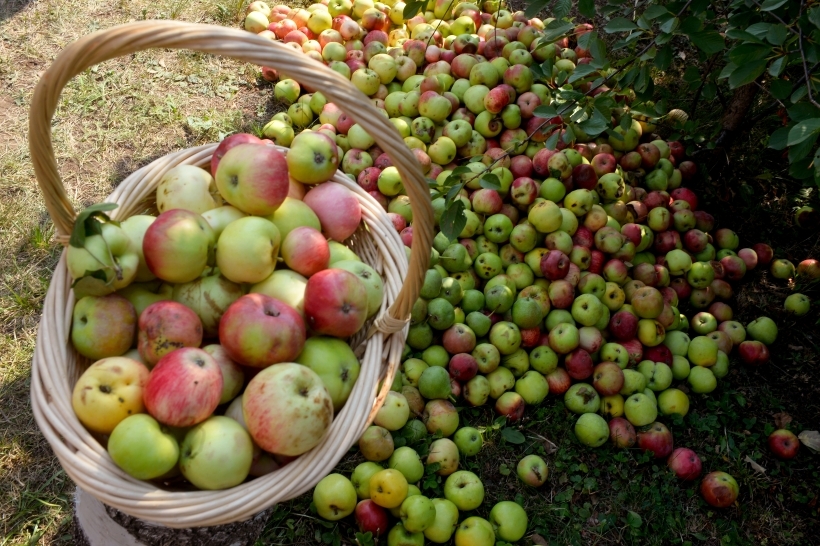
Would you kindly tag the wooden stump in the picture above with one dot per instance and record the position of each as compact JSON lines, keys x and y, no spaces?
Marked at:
{"x":96,"y":524}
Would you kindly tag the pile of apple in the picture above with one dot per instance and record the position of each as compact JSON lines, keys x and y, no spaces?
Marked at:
{"x":218,"y":328}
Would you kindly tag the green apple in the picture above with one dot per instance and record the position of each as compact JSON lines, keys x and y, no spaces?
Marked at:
{"x":143,"y":448}
{"x":634,"y":381}
{"x":407,"y":461}
{"x":702,"y":351}
{"x":702,"y":380}
{"x":532,"y":470}
{"x":464,"y":489}
{"x":360,"y":478}
{"x":582,"y":398}
{"x":376,"y":443}
{"x":399,"y":536}
{"x":468,"y":440}
{"x":372,"y":281}
{"x":658,"y":375}
{"x":640,"y":410}
{"x":677,"y":342}
{"x":334,"y":497}
{"x":417,"y":513}
{"x":217,"y":454}
{"x":395,"y":411}
{"x":443,"y":527}
{"x":721,"y":367}
{"x":762,"y":329}
{"x":680,"y":367}
{"x":673,"y":401}
{"x":106,"y":262}
{"x":103,"y":326}
{"x":286,"y":286}
{"x":592,"y":430}
{"x":434,"y":383}
{"x":335,"y":363}
{"x":339,"y":252}
{"x":291,"y":214}
{"x":532,"y":386}
{"x":509,"y":520}
{"x":475,"y":531}
{"x":247,"y":249}
{"x":135,"y":227}
{"x":141,"y":295}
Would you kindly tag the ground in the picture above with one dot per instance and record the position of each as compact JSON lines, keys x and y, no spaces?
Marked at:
{"x":127,"y":112}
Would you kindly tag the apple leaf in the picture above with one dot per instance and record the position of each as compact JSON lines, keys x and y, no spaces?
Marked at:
{"x":453,"y":220}
{"x":412,"y":9}
{"x":619,"y":24}
{"x":810,"y":439}
{"x":88,"y":222}
{"x":513,"y":436}
{"x":747,"y":73}
{"x":534,"y":7}
{"x":771,"y":5}
{"x":545,"y":111}
{"x":779,"y":139}
{"x":708,"y":41}
{"x":365,"y":539}
{"x":814,"y":15}
{"x":561,"y":8}
{"x":803,"y":131}
{"x":587,"y":8}
{"x":490,"y":181}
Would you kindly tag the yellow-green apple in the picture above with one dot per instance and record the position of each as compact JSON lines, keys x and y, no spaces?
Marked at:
{"x":103,"y":326}
{"x":135,"y":227}
{"x":257,"y":330}
{"x":647,"y":302}
{"x":407,"y":461}
{"x":417,"y":513}
{"x":621,"y":433}
{"x":702,"y":380}
{"x":582,"y":398}
{"x":651,"y":333}
{"x":220,"y":217}
{"x":614,"y":352}
{"x":187,"y":187}
{"x":178,"y":246}
{"x":184,"y":387}
{"x":388,"y":488}
{"x":335,"y":363}
{"x":293,"y":213}
{"x":702,"y":351}
{"x":592,"y":430}
{"x":797,"y":304}
{"x":634,"y":381}
{"x":719,"y":489}
{"x":209,"y":297}
{"x":286,"y":286}
{"x":104,"y":263}
{"x":656,"y":439}
{"x":445,"y":522}
{"x":394,"y":413}
{"x":444,"y":452}
{"x":532,"y":470}
{"x":762,"y":329}
{"x":658,"y":375}
{"x":232,"y":377}
{"x":373,"y":283}
{"x":612,"y":406}
{"x":335,"y":302}
{"x":287,"y":409}
{"x":165,"y":326}
{"x":399,"y":536}
{"x":313,"y":157}
{"x":216,"y":454}
{"x":468,"y":440}
{"x":533,"y":387}
{"x":334,"y":497}
{"x":108,"y":391}
{"x":337,"y":208}
{"x":685,"y":463}
{"x":809,"y":268}
{"x":509,"y":520}
{"x":511,"y":405}
{"x":231,"y":142}
{"x":143,"y":448}
{"x":784,"y":444}
{"x":640,"y":410}
{"x":464,"y":489}
{"x":680,"y":367}
{"x":253,"y":178}
{"x":360,"y":478}
{"x":673,"y":401}
{"x":247,"y":249}
{"x":475,"y":531}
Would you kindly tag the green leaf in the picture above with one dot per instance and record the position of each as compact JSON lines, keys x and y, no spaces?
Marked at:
{"x":513,"y":436}
{"x":561,"y":8}
{"x":777,"y":34}
{"x":780,"y":89}
{"x":708,"y":41}
{"x":545,"y":111}
{"x":453,"y":220}
{"x":626,"y":122}
{"x":759,"y":30}
{"x":619,"y":24}
{"x":801,"y":151}
{"x":777,"y":67}
{"x":779,"y":139}
{"x":814,"y":16}
{"x":412,"y":9}
{"x":595,"y":125}
{"x":770,"y":5}
{"x":587,"y":8}
{"x":533,"y":7}
{"x":551,"y":35}
{"x":746,"y":53}
{"x":490,"y":181}
{"x":88,"y":221}
{"x":581,"y":71}
{"x":691,"y":24}
{"x":670,"y":25}
{"x":746,"y":73}
{"x":727,"y":71}
{"x":552,"y":141}
{"x":663,"y":59}
{"x":633,"y":519}
{"x":568,"y":136}
{"x":653,"y":12}
{"x":803,"y":130}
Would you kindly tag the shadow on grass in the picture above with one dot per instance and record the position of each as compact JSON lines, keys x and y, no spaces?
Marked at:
{"x":9,"y":8}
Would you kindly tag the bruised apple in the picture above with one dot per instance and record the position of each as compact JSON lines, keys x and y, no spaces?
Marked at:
{"x":109,"y":391}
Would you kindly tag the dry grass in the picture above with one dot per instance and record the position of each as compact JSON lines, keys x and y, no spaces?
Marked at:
{"x":112,"y":120}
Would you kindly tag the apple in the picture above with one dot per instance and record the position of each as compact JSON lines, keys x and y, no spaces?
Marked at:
{"x":394,"y":413}
{"x":360,"y":478}
{"x":108,"y":392}
{"x":388,"y":488}
{"x":292,"y":213}
{"x":335,"y":363}
{"x":509,"y":521}
{"x":178,"y":246}
{"x":334,"y":497}
{"x":103,"y":326}
{"x":797,"y":304}
{"x":468,"y":440}
{"x":305,"y":250}
{"x":719,"y":489}
{"x":440,"y":416}
{"x":230,"y":142}
{"x":142,"y":447}
{"x":762,"y":329}
{"x":702,"y":380}
{"x":216,"y":454}
{"x":475,"y":531}
{"x":640,"y":410}
{"x":532,"y":470}
{"x":532,"y":387}
{"x":258,"y":331}
{"x":135,"y":227}
{"x":371,"y":518}
{"x":444,"y":452}
{"x":592,"y":430}
{"x":187,"y":187}
{"x":582,"y":398}
{"x":784,"y":444}
{"x":209,"y":296}
{"x":417,"y":513}
{"x":464,"y":489}
{"x":782,"y":269}
{"x":233,"y":379}
{"x":253,"y":177}
{"x":559,"y":381}
{"x":809,"y":268}
{"x":108,"y":254}
{"x":685,"y":463}
{"x":313,"y":157}
{"x":165,"y":326}
{"x":335,"y":303}
{"x":656,"y":439}
{"x":621,"y":433}
{"x":608,"y":378}
{"x":337,"y":208}
{"x":753,"y":353}
{"x":287,"y":409}
{"x":247,"y":249}
{"x":445,"y":522}
{"x":673,"y":401}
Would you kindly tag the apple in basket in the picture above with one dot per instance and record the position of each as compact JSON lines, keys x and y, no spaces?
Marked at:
{"x":335,"y":303}
{"x":253,"y":178}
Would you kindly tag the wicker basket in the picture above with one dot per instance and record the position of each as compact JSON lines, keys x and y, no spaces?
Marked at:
{"x":56,"y":365}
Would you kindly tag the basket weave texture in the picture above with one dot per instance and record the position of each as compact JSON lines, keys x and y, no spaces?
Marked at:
{"x":56,"y":365}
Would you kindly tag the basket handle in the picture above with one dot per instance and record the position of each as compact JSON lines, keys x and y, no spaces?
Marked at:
{"x":245,"y":46}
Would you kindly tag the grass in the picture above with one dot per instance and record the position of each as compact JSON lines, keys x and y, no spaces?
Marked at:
{"x":126,"y":112}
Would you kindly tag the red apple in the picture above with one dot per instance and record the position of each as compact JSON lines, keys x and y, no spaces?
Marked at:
{"x":371,"y":518}
{"x":608,"y":378}
{"x":621,"y":433}
{"x":657,"y":439}
{"x":784,"y":444}
{"x":165,"y":326}
{"x":685,"y":463}
{"x":623,"y":325}
{"x":462,"y":367}
{"x":764,"y":252}
{"x":719,"y":489}
{"x":659,"y":353}
{"x":338,"y":209}
{"x":579,"y":364}
{"x":231,"y":141}
{"x":559,"y":381}
{"x":184,"y":388}
{"x":335,"y":303}
{"x":753,"y":353}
